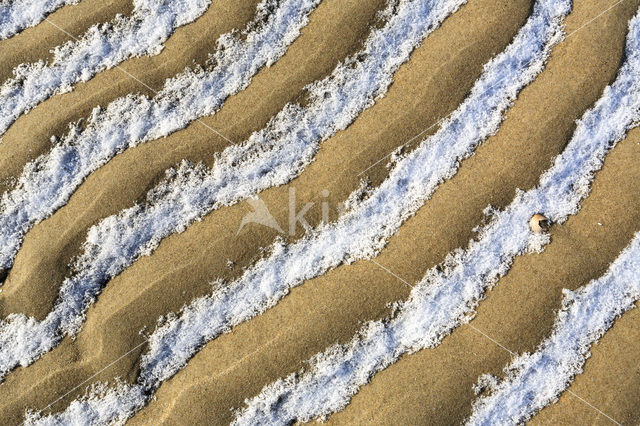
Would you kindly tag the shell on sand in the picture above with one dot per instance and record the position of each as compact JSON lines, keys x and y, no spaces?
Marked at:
{"x":539,"y":223}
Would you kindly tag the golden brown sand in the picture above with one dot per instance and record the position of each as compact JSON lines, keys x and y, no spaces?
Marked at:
{"x":429,"y":387}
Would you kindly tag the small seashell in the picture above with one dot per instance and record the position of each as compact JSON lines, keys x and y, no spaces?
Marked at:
{"x":539,"y":223}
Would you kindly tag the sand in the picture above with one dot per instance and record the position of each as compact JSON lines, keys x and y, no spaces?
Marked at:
{"x":432,"y":386}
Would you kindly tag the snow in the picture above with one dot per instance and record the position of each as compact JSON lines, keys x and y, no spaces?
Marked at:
{"x":536,"y":380}
{"x":262,"y":285}
{"x":102,"y":46}
{"x":363,"y":231}
{"x":241,"y":170}
{"x":16,"y":15}
{"x":445,"y":298}
{"x":190,"y":192}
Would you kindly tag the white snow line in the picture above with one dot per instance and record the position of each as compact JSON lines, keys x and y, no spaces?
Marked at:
{"x":390,"y":272}
{"x":440,"y":121}
{"x":47,"y":183}
{"x":533,"y":381}
{"x":15,"y":15}
{"x":523,"y":60}
{"x":595,"y":17}
{"x":483,"y":381}
{"x":102,"y":406}
{"x":587,"y":403}
{"x":447,"y":297}
{"x":146,"y":86}
{"x":102,"y":46}
{"x":96,"y":374}
{"x":491,"y":339}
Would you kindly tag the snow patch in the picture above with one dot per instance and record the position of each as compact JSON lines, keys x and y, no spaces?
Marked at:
{"x":363,"y":231}
{"x":536,"y":380}
{"x":266,"y":159}
{"x":16,"y":15}
{"x":103,"y":46}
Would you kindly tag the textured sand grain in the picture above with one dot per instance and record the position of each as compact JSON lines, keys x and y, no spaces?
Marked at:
{"x":429,"y":387}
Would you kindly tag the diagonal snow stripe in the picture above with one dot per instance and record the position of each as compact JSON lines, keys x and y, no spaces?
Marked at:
{"x":266,"y":159}
{"x":102,"y":46}
{"x":16,"y":15}
{"x":103,"y":407}
{"x":47,"y":183}
{"x":447,"y":297}
{"x":536,"y":380}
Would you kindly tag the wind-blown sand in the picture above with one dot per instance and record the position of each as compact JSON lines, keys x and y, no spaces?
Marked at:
{"x":431,"y":386}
